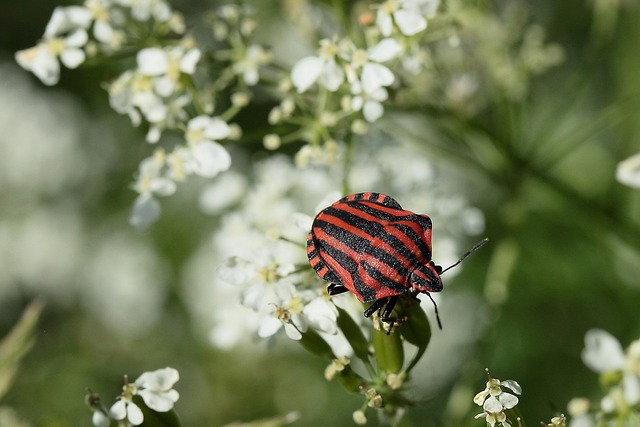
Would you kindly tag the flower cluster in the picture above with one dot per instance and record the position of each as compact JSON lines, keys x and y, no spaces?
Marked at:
{"x":162,"y":91}
{"x":619,"y":374}
{"x":344,"y":86}
{"x":97,"y":27}
{"x":155,"y":389}
{"x":495,"y":401}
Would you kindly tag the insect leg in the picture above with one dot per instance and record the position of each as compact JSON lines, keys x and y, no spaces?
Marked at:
{"x":334,"y":289}
{"x":377,"y":305}
{"x":386,"y":313}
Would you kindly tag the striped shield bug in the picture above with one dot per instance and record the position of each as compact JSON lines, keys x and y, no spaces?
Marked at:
{"x":367,"y":244}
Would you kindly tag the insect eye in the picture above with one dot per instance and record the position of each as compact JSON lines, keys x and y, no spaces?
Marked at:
{"x":437,"y":268}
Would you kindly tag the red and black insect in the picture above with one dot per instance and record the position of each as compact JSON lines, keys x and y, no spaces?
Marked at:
{"x":367,"y":244}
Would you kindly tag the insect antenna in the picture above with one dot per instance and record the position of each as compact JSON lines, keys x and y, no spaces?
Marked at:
{"x":473,"y":249}
{"x":435,"y":306}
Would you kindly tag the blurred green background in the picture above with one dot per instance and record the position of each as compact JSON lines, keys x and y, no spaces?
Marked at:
{"x":564,"y":254}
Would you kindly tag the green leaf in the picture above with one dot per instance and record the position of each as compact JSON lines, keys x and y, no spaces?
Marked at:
{"x":17,"y":343}
{"x":316,"y":344}
{"x":415,"y":329}
{"x":389,"y":352}
{"x":354,"y":335}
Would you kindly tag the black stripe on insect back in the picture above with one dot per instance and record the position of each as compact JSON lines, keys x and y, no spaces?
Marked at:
{"x":415,"y":237}
{"x":374,"y":211}
{"x":375,"y":229}
{"x":351,"y":266}
{"x":381,"y":278}
{"x":362,"y":245}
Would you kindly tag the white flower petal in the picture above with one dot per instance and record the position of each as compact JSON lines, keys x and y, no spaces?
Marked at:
{"x":513,"y":385}
{"x":302,"y":221}
{"x":292,"y":332}
{"x":492,"y":405}
{"x":384,"y":22}
{"x":162,"y":186}
{"x":164,"y":86}
{"x":118,"y":410}
{"x":372,"y":111}
{"x":65,"y":19}
{"x":251,"y":77}
{"x":77,"y":39}
{"x":236,"y":271}
{"x":375,"y":76}
{"x":321,"y":315}
{"x":631,"y":389}
{"x":254,"y":296}
{"x":134,"y":414}
{"x":146,"y":210}
{"x":385,"y":50}
{"x":269,"y":326}
{"x":103,"y":32}
{"x":72,"y":58}
{"x":306,"y":72}
{"x":480,"y":397}
{"x":217,"y":129}
{"x":210,"y":159}
{"x":98,"y":419}
{"x":161,"y":402}
{"x":602,"y":352}
{"x":160,"y":379}
{"x":152,"y":61}
{"x":153,"y":134}
{"x":190,"y":60}
{"x":410,"y":22}
{"x":508,"y":400}
{"x":628,"y":171}
{"x":332,"y":75}
{"x":199,"y":122}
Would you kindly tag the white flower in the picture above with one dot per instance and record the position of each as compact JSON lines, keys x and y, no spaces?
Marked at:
{"x":166,"y":66}
{"x":150,"y":182}
{"x":323,"y":68}
{"x":42,"y":59}
{"x":409,"y":15}
{"x":150,"y":176}
{"x":495,"y":401}
{"x":369,"y":103}
{"x":104,"y":20}
{"x":603,"y":353}
{"x":156,"y":388}
{"x":628,"y":171}
{"x":207,"y":157}
{"x":63,"y":38}
{"x":205,"y":128}
{"x":247,"y":67}
{"x":365,"y":66}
